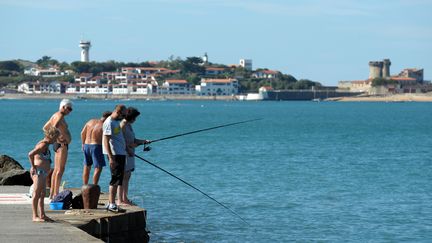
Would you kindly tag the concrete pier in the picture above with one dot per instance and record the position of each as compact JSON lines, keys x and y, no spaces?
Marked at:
{"x":79,"y":225}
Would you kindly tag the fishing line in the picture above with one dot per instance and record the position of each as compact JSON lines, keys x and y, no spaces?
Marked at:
{"x":201,"y":130}
{"x":187,"y":183}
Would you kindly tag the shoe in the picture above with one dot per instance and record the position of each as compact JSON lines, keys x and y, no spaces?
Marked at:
{"x":115,"y":209}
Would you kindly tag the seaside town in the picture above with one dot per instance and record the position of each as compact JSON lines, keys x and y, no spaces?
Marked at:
{"x":194,"y":78}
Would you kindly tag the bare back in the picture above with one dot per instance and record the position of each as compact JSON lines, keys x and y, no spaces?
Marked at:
{"x":93,"y":132}
{"x":57,"y":120}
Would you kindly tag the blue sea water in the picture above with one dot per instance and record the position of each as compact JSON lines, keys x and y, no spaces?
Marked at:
{"x":328,"y":171}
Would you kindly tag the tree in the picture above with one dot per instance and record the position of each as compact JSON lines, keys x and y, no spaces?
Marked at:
{"x":10,"y":66}
{"x":304,"y":84}
{"x":192,"y":65}
{"x":382,"y":81}
{"x":81,"y":67}
{"x":46,"y":61}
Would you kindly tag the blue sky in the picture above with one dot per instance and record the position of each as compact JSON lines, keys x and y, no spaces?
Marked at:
{"x":325,"y":41}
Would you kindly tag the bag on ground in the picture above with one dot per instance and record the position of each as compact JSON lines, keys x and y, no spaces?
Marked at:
{"x":65,"y":197}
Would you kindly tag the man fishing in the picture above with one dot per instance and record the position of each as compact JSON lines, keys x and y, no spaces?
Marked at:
{"x":114,"y":146}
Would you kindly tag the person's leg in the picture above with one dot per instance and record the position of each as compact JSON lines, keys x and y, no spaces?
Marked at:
{"x":120,"y":195}
{"x":125,"y":188}
{"x":117,"y":172}
{"x":48,"y":180}
{"x":96,"y":174}
{"x":112,"y":194}
{"x":115,"y":181}
{"x":88,"y":161}
{"x":42,"y":196}
{"x":86,"y":174}
{"x":99,"y":162}
{"x":61,"y":154}
{"x":35,"y":198}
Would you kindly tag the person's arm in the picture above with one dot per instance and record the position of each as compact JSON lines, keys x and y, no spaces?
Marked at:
{"x":108,"y":149}
{"x":37,"y":149}
{"x":139,"y":142}
{"x":47,"y":124}
{"x":83,"y":135}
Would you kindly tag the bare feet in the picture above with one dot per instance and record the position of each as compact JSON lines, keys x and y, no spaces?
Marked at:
{"x":37,"y":219}
{"x":125,"y":203}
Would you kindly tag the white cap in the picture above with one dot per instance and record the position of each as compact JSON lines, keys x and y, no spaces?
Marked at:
{"x":65,"y":102}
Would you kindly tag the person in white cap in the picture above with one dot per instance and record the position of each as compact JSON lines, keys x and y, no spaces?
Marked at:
{"x":61,"y":146}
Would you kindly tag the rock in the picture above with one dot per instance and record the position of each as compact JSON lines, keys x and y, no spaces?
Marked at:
{"x":16,"y":177}
{"x":12,"y":173}
{"x":7,"y":163}
{"x":90,"y":195}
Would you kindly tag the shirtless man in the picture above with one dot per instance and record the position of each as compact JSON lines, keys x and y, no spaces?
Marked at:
{"x":91,"y":138}
{"x":61,"y":145}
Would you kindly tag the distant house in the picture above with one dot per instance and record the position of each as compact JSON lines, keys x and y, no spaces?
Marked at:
{"x":268,"y":74}
{"x":110,"y":76}
{"x":246,"y":64}
{"x":415,"y":73}
{"x":217,"y":87}
{"x":72,"y":88}
{"x":51,"y":72}
{"x":214,"y":71}
{"x":38,"y":87}
{"x":83,"y":78}
{"x":143,"y":87}
{"x":121,"y":88}
{"x":175,"y":87}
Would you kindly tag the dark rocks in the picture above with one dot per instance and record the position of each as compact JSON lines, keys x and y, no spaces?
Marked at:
{"x":16,"y":177}
{"x":90,"y":195}
{"x":7,"y":163}
{"x":12,"y":173}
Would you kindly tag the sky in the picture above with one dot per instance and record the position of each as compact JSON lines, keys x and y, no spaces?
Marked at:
{"x":325,"y":41}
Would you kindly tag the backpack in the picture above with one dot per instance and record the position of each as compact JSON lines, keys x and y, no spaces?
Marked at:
{"x":65,"y":197}
{"x":77,"y":202}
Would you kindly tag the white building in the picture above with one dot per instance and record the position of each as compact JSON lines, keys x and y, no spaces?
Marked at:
{"x":217,"y":87}
{"x":246,"y":64}
{"x":37,"y":87}
{"x":267,"y":74}
{"x":143,"y":87}
{"x":51,"y":72}
{"x":175,"y":87}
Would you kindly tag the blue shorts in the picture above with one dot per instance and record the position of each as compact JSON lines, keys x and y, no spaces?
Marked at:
{"x":93,"y":155}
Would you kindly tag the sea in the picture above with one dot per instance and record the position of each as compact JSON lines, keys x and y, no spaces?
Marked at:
{"x":305,"y":171}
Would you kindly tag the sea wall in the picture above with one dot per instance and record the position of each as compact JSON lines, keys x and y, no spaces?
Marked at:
{"x":307,"y":94}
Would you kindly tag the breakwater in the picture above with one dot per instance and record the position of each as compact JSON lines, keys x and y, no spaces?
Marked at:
{"x":307,"y":94}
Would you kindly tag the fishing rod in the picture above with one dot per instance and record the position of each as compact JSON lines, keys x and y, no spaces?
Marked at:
{"x":187,"y":183}
{"x":146,"y":148}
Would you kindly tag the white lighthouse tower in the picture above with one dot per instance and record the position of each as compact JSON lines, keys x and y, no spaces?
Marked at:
{"x":85,"y":47}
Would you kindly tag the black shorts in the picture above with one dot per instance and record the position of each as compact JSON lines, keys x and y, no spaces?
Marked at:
{"x":56,"y":146}
{"x":117,"y":172}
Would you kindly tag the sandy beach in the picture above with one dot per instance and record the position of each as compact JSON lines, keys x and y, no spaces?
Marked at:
{"x":427,"y":97}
